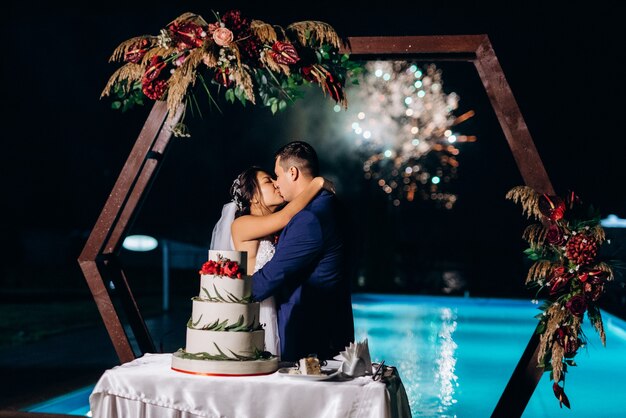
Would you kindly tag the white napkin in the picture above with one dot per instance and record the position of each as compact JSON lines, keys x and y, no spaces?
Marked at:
{"x":356,"y":359}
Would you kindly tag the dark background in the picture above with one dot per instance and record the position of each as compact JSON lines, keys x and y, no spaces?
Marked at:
{"x":63,"y":147}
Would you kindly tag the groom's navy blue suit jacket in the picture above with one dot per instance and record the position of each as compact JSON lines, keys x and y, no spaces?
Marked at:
{"x":305,"y":277}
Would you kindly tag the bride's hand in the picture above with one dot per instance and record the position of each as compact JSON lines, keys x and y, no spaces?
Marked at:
{"x":328,"y":185}
{"x":324,"y":183}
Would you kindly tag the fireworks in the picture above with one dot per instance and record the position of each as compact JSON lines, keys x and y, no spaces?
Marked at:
{"x":403,"y":120}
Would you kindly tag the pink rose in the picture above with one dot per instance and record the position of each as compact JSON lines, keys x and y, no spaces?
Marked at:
{"x":222,"y":36}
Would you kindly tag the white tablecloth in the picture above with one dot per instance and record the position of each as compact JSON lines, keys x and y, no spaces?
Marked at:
{"x":147,"y":387}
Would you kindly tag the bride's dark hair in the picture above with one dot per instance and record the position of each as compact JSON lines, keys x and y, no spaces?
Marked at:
{"x":244,"y":188}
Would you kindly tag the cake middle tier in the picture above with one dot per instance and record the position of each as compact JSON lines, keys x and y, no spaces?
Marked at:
{"x":225,"y":289}
{"x":224,"y":342}
{"x":220,"y":315}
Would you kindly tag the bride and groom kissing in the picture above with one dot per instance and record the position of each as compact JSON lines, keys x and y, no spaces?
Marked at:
{"x":305,"y":299}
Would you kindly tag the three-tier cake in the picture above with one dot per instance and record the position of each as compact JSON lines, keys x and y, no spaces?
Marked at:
{"x":224,"y":336}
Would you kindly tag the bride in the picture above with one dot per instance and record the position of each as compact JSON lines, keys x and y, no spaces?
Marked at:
{"x":252,"y":221}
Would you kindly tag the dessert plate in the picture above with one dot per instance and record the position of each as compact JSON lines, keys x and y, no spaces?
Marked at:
{"x":327,"y":373}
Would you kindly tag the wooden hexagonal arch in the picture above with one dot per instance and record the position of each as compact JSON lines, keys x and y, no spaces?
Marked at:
{"x":98,"y":259}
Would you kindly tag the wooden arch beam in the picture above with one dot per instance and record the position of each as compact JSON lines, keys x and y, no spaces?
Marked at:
{"x":98,"y":259}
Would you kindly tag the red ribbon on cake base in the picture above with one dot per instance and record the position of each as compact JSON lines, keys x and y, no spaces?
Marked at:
{"x":220,"y":374}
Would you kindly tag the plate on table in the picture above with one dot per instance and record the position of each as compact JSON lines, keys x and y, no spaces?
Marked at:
{"x":327,"y":373}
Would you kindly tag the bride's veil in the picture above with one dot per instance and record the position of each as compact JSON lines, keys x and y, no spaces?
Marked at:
{"x":221,"y":239}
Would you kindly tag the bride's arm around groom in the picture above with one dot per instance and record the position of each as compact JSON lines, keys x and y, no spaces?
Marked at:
{"x":305,"y":274}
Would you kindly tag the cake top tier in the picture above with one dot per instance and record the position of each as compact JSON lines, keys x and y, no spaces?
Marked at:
{"x":239,"y":257}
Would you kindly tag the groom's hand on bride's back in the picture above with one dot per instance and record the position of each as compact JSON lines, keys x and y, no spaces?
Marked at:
{"x":329,"y":185}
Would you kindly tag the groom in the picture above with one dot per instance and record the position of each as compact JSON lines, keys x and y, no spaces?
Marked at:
{"x":312,"y":296}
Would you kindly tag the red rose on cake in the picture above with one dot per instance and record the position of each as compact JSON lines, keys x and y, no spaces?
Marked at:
{"x":222,"y":267}
{"x":210,"y":267}
{"x":231,"y":269}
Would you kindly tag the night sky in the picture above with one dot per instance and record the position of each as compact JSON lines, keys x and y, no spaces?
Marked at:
{"x":64,"y":147}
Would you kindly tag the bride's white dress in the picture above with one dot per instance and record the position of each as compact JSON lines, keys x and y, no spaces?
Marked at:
{"x":267,"y":314}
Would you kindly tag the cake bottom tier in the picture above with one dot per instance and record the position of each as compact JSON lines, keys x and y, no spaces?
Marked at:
{"x":224,"y":368}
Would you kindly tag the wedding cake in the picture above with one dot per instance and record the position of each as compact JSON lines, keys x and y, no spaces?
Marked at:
{"x":224,"y":336}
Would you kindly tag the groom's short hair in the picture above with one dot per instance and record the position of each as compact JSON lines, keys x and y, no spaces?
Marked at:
{"x":301,"y":155}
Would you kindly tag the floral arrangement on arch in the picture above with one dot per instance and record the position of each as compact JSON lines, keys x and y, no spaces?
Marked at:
{"x":564,"y":247}
{"x":246,"y":59}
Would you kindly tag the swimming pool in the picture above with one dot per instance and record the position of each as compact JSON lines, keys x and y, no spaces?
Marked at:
{"x":456,"y":355}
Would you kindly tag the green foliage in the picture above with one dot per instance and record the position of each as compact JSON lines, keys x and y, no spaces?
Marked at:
{"x":218,"y":325}
{"x":126,"y":98}
{"x":228,"y":298}
{"x":257,"y":355}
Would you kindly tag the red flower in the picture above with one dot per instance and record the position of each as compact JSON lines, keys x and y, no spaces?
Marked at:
{"x":593,"y":274}
{"x":571,"y":200}
{"x":154,"y":69}
{"x":136,"y":52}
{"x":222,"y":77}
{"x":320,"y":75}
{"x":222,"y":267}
{"x":248,"y":43}
{"x":560,"y":395}
{"x":307,"y":73}
{"x":236,"y":22}
{"x":554,"y":235}
{"x":593,"y":286}
{"x":559,"y":277}
{"x":577,"y":305}
{"x":565,"y":340}
{"x":552,"y":207}
{"x":231,"y":269}
{"x":334,"y":88}
{"x":154,"y":89}
{"x":284,"y":53}
{"x":187,"y":35}
{"x":210,"y":267}
{"x":153,"y":83}
{"x":581,"y":249}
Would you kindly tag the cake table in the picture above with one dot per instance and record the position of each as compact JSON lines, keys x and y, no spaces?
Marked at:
{"x":148,"y":387}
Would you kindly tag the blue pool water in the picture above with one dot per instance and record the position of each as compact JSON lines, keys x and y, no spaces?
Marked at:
{"x":456,"y":355}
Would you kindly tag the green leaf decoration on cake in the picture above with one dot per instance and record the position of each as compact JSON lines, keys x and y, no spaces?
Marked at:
{"x":239,"y":326}
{"x":194,"y":324}
{"x":239,"y":357}
{"x":232,"y":297}
{"x":216,"y":326}
{"x":218,"y":294}
{"x":218,"y":298}
{"x":218,"y":349}
{"x":257,"y":355}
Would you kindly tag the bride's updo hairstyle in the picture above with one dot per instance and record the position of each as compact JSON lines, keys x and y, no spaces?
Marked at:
{"x":244,"y":189}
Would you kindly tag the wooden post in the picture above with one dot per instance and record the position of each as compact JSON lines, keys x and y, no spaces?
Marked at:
{"x":98,"y":259}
